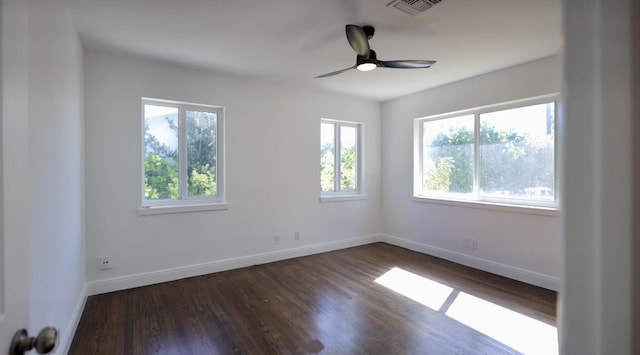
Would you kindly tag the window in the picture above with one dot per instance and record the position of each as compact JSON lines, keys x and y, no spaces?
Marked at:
{"x":340,"y":158}
{"x":502,"y":154}
{"x":182,"y":154}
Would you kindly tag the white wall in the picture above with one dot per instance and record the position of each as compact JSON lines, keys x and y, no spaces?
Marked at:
{"x":272,"y":174}
{"x":56,"y":170}
{"x":15,"y":253}
{"x":597,"y":298}
{"x":517,"y":245}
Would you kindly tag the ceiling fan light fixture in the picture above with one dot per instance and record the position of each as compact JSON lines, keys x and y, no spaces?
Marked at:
{"x":366,"y":66}
{"x":367,"y":63}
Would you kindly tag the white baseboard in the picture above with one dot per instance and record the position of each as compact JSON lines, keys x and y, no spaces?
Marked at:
{"x":154,"y":277}
{"x":66,"y":334}
{"x":512,"y":272}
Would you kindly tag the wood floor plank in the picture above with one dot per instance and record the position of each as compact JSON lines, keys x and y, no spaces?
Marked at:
{"x":326,"y":303}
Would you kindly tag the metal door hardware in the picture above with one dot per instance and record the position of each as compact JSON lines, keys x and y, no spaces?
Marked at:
{"x":43,"y":343}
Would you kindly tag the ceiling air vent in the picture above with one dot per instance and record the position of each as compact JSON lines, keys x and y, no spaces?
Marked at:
{"x":413,"y":7}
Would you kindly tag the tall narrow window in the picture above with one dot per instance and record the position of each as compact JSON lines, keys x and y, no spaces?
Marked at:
{"x":182,"y":160}
{"x":502,"y":153}
{"x":340,"y":158}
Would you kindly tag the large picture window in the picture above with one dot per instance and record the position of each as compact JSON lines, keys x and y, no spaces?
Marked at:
{"x":182,"y":153}
{"x":503,"y":153}
{"x":340,"y":158}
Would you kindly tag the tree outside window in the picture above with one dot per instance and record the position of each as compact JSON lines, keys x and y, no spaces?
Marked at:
{"x":510,"y":158}
{"x":339,"y":157}
{"x":181,"y":153}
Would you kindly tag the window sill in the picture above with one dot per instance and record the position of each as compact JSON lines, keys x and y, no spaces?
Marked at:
{"x":151,"y":210}
{"x":339,"y":198}
{"x":503,"y":207}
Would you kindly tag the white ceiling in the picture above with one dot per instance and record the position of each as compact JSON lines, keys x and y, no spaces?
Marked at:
{"x":291,"y":41}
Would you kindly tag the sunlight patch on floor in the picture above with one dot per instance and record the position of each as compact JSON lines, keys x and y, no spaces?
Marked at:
{"x":522,"y":333}
{"x":420,"y":289}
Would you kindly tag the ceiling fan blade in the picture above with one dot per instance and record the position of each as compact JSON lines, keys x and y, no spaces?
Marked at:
{"x":406,"y":64}
{"x":358,"y":40}
{"x":334,"y":72}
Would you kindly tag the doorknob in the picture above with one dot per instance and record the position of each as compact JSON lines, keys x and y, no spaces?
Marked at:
{"x":43,"y":343}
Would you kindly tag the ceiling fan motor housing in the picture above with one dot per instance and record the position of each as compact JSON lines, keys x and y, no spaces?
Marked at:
{"x":369,"y":31}
{"x":371,"y":58}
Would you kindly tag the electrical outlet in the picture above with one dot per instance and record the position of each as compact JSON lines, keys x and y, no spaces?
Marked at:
{"x":276,"y":239}
{"x":105,"y":262}
{"x":470,"y":243}
{"x":296,"y":236}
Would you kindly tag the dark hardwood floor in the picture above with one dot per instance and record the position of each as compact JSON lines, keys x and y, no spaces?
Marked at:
{"x":326,"y":303}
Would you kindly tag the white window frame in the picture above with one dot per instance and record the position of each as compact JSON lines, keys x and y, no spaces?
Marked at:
{"x":350,"y":194}
{"x":186,"y":203}
{"x":474,"y":199}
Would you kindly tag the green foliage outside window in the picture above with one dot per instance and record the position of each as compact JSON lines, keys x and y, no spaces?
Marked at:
{"x":327,"y":168}
{"x":201,"y":153}
{"x":348,"y":168}
{"x":161,"y":162}
{"x":161,"y":178}
{"x":202,"y":183}
{"x":510,"y":163}
{"x":453,"y":154}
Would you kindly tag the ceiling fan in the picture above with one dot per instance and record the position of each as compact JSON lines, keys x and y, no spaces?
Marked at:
{"x":366,"y":58}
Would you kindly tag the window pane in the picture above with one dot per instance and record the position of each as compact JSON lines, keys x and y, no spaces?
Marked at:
{"x":160,"y":152}
{"x":327,"y":157}
{"x":447,"y":158}
{"x":348,"y":168}
{"x":517,"y":153}
{"x":201,"y":153}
